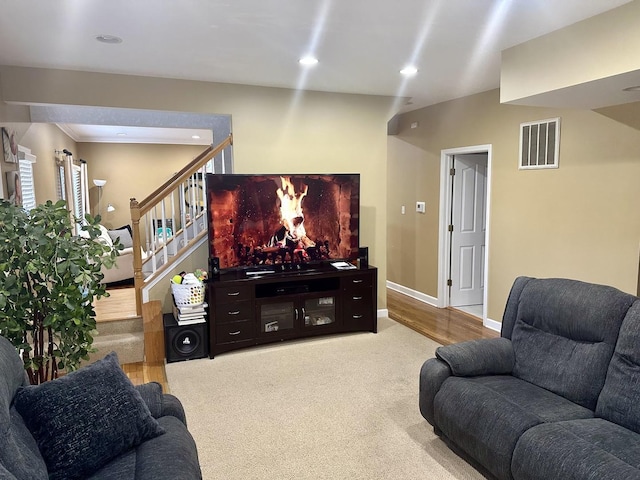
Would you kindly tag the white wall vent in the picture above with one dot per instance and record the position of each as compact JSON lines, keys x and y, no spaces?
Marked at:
{"x":539,"y":144}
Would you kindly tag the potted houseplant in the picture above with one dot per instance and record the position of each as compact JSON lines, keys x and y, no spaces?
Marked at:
{"x":49,"y":277}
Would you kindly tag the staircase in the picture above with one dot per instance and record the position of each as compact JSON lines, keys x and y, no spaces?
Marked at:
{"x":171,"y":219}
{"x":119,"y":328}
{"x":166,"y":226}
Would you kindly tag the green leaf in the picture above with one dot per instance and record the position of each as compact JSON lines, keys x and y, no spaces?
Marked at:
{"x":49,"y":278}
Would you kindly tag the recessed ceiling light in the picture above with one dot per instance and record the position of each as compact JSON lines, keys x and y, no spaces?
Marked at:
{"x":635,"y":88}
{"x":408,"y":71}
{"x":308,"y":61}
{"x":110,"y":39}
{"x":195,"y":137}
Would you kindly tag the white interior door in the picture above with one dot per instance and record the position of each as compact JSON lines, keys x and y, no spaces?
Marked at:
{"x":468,"y":216}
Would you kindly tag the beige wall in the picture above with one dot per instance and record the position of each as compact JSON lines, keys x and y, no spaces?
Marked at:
{"x":579,"y":221}
{"x":602,"y":46}
{"x":275,"y":130}
{"x":412,"y":240}
{"x":43,"y":140}
{"x":131,"y":171}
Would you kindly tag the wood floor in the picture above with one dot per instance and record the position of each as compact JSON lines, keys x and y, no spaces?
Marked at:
{"x":119,"y":305}
{"x":140,"y":373}
{"x":445,"y":326}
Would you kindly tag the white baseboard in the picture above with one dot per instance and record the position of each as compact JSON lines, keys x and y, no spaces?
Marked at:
{"x":489,"y":323}
{"x":413,"y":293}
{"x":383,"y":312}
{"x":493,"y":325}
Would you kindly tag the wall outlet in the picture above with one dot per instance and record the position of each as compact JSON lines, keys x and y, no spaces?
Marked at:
{"x":402,"y":210}
{"x":421,"y":207}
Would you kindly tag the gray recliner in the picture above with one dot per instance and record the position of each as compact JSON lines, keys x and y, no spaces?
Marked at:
{"x":531,"y":404}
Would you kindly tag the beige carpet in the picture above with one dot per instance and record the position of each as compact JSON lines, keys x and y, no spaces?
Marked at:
{"x":337,"y":407}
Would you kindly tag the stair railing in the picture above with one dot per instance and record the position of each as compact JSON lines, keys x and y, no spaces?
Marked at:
{"x":170,"y":219}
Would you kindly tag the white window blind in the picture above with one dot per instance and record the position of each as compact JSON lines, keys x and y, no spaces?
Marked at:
{"x":78,"y":197}
{"x":62,"y":194}
{"x":73,"y":186}
{"x":84,"y":185}
{"x":25,"y":168}
{"x":26,"y":182}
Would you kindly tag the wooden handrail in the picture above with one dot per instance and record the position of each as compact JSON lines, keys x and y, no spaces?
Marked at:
{"x":139,"y":209}
{"x":192,"y":167}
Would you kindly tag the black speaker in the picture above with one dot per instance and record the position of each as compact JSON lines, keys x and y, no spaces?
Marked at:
{"x":184,"y":342}
{"x":214,"y":266}
{"x":363,"y":257}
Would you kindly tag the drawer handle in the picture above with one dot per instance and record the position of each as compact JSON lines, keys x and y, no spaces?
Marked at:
{"x":237,"y":312}
{"x":235,"y":333}
{"x":358,"y":281}
{"x":233,"y":294}
{"x":357,"y":298}
{"x":357,"y":316}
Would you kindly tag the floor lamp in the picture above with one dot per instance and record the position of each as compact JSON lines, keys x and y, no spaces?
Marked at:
{"x":99,"y":183}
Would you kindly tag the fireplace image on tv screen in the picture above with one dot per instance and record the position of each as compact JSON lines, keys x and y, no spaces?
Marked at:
{"x":264,"y":220}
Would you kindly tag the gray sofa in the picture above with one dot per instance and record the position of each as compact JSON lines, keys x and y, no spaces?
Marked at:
{"x":92,"y":423}
{"x":557,"y":396}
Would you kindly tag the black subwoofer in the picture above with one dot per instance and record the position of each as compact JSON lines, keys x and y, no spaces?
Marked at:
{"x":184,"y":342}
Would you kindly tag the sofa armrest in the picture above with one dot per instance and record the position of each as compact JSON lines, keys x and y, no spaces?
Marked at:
{"x":432,"y":375}
{"x":152,"y":394}
{"x":172,"y":406}
{"x":161,"y":404}
{"x":492,"y":356}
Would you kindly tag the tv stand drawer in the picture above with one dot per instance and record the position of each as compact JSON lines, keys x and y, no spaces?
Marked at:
{"x":357,"y":282}
{"x":359,"y":314}
{"x":234,"y":312}
{"x":235,"y":332}
{"x":225,"y":295}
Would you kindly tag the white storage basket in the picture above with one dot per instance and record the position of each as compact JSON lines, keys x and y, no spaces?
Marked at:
{"x":187,"y":295}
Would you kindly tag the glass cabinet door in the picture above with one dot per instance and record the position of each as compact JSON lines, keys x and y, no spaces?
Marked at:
{"x":277,"y":317}
{"x":319,"y":311}
{"x":303,"y":313}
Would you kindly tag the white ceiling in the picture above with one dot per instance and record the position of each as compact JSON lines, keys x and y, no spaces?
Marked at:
{"x":361,"y":44}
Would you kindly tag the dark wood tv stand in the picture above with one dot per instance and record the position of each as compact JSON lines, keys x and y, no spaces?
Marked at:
{"x":247,"y":310}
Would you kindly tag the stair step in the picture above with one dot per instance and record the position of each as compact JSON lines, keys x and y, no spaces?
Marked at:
{"x":122,"y":325}
{"x":118,"y":327}
{"x":128,"y":346}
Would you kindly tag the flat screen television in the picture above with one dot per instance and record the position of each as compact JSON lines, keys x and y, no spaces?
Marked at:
{"x":258,"y":221}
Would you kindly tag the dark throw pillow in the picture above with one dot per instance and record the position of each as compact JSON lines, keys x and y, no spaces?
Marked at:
{"x":86,"y":418}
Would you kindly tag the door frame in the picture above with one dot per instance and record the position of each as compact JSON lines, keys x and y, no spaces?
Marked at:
{"x":444,"y":246}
